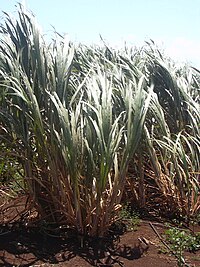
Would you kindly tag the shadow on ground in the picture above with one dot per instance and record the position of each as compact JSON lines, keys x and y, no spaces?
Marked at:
{"x":21,"y":246}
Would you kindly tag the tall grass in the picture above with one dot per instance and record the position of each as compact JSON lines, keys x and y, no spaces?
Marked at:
{"x":76,"y":129}
{"x":172,"y":135}
{"x":81,"y":117}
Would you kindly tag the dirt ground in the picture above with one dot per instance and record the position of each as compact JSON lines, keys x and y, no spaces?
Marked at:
{"x":22,"y":245}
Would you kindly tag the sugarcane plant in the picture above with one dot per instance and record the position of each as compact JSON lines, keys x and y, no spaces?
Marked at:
{"x":75,"y":124}
{"x":171,"y":136}
{"x":83,"y":122}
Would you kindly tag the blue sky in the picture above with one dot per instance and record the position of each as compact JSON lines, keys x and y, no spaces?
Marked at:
{"x":173,"y":24}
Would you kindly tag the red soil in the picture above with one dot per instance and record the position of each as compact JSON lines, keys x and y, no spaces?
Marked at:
{"x":32,"y":246}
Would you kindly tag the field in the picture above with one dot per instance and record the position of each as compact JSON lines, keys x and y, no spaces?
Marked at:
{"x":89,"y":137}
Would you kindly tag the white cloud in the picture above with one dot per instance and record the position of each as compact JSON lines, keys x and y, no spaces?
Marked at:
{"x":183,"y":49}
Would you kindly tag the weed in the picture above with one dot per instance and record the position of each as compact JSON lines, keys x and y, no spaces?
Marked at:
{"x":180,"y":240}
{"x":129,"y":217}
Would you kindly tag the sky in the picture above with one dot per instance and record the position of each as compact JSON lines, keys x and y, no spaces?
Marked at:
{"x":174,"y":25}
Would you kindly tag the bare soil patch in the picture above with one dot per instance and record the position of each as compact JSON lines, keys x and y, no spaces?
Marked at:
{"x":31,"y":245}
